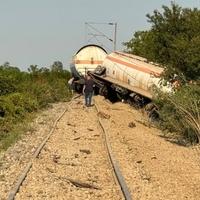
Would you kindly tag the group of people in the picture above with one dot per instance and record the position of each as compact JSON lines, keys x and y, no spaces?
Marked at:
{"x":88,"y":89}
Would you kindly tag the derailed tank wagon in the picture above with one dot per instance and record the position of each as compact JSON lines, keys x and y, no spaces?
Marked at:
{"x":131,"y":76}
{"x":86,"y":59}
{"x":126,"y":76}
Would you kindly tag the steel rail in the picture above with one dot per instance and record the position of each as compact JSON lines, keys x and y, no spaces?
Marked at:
{"x":114,"y":163}
{"x":23,"y":174}
{"x":119,"y":177}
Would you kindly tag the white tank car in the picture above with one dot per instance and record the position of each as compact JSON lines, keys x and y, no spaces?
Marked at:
{"x":133,"y":73}
{"x":87,"y":59}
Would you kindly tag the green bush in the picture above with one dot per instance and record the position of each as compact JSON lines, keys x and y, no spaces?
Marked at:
{"x":60,"y":90}
{"x":22,"y":93}
{"x":6,"y":86}
{"x":42,"y":92}
{"x":180,"y":112}
{"x":15,"y":106}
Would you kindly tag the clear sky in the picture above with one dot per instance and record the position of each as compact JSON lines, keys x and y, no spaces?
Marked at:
{"x":43,"y":31}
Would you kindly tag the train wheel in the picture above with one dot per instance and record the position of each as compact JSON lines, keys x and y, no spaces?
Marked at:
{"x":103,"y":91}
{"x":78,"y":87}
{"x":152,"y":111}
{"x":149,"y":107}
{"x":119,"y":96}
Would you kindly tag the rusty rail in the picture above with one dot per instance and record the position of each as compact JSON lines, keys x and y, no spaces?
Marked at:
{"x":23,"y":174}
{"x":120,"y":179}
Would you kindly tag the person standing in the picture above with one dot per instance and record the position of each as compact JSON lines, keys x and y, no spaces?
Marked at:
{"x":88,"y":90}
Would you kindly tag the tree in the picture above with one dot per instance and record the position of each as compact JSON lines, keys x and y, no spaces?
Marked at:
{"x":44,"y":70}
{"x":6,"y":64}
{"x":57,"y":66}
{"x":33,"y":69}
{"x":173,"y":41}
{"x":142,"y":44}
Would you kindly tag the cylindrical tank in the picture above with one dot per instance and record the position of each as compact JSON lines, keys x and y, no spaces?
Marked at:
{"x":87,"y":59}
{"x":133,"y":71}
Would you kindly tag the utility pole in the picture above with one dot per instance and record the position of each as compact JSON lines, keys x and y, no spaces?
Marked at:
{"x":115,"y":37}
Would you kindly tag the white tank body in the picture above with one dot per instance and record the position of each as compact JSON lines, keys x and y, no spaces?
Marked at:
{"x":88,"y":58}
{"x":133,"y":72}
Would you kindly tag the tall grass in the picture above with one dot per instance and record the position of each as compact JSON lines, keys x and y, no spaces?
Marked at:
{"x":180,"y":112}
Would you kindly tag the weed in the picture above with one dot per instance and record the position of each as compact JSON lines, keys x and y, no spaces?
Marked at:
{"x":180,"y":112}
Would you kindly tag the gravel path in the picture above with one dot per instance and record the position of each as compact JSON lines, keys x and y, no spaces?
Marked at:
{"x":153,"y":167}
{"x":74,"y":163}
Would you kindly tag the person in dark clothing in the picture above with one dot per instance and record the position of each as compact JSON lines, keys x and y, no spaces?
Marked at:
{"x":88,"y":89}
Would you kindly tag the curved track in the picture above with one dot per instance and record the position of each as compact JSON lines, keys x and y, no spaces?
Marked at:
{"x":114,"y":163}
{"x":116,"y":170}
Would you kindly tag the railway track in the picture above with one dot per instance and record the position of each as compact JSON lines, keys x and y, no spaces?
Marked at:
{"x":50,"y":161}
{"x":75,"y":164}
{"x":24,"y":173}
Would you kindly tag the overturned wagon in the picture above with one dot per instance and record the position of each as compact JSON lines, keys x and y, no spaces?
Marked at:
{"x":129,"y":76}
{"x":118,"y":74}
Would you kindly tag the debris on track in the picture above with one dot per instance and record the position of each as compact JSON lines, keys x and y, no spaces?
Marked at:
{"x":74,"y":163}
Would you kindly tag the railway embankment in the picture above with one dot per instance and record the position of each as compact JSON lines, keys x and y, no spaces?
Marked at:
{"x":74,"y":163}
